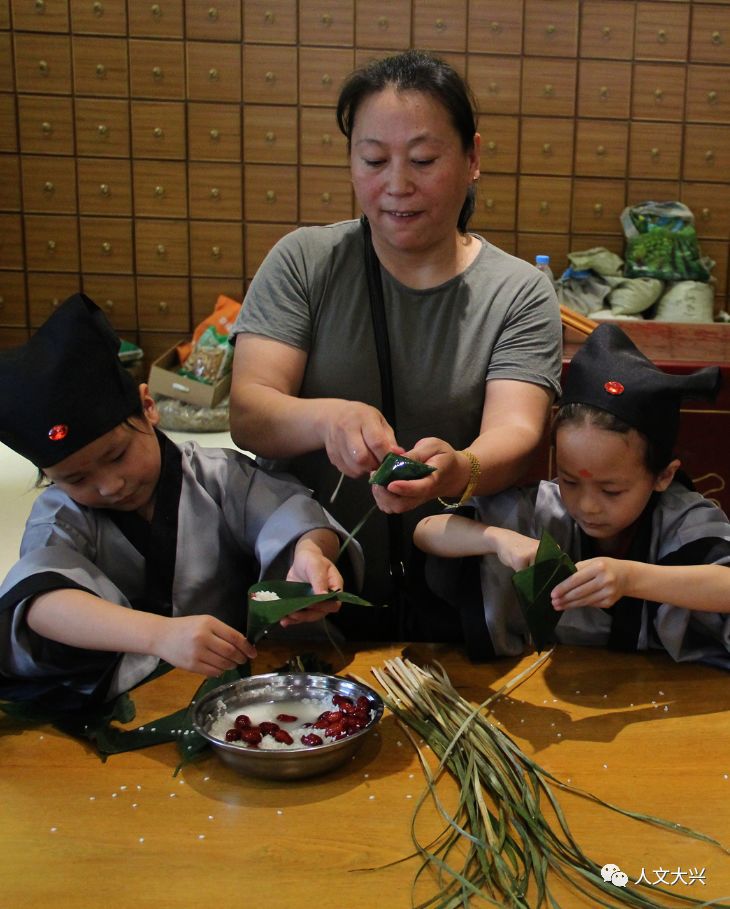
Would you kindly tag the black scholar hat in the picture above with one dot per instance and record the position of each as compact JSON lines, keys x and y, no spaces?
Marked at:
{"x":609,"y":372}
{"x":66,"y":387}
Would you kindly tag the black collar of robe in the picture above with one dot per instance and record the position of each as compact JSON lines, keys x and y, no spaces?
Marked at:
{"x":156,"y":541}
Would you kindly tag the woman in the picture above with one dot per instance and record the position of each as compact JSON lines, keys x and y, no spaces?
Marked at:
{"x":474,"y":335}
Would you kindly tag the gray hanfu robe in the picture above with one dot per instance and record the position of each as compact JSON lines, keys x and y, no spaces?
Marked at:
{"x":680,"y":527}
{"x":220,"y":524}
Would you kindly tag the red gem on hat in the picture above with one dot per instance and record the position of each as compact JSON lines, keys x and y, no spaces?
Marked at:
{"x":58,"y":432}
{"x":614,"y":388}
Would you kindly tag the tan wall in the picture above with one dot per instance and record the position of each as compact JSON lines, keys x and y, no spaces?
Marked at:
{"x":123,"y":128}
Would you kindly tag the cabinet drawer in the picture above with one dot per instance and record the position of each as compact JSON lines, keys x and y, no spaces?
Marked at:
{"x":495,"y":82}
{"x":641,"y":190}
{"x":597,"y":206}
{"x":214,"y":132}
{"x":98,"y":17}
{"x":321,"y":141}
{"x":270,"y":193}
{"x":706,"y":152}
{"x":325,"y":194}
{"x":710,"y":204}
{"x":557,"y":246}
{"x":440,"y":25}
{"x":102,"y":127}
{"x":47,"y":291}
{"x":388,"y":28}
{"x":104,"y":190}
{"x":157,"y":69}
{"x":12,"y":298}
{"x":115,"y":295}
{"x":495,"y":27}
{"x":159,"y":189}
{"x":271,"y":21}
{"x":161,"y":247}
{"x":43,"y":63}
{"x":604,"y":89}
{"x":601,"y":148}
{"x":607,"y":29}
{"x":655,"y":152}
{"x":162,"y":303}
{"x":326,"y":22}
{"x":219,"y":20}
{"x":215,"y":191}
{"x":7,"y":77}
{"x":270,"y":74}
{"x":270,"y":134}
{"x":551,"y":29}
{"x":216,"y":248}
{"x":51,"y":243}
{"x":214,"y":71}
{"x":710,"y":37}
{"x":205,"y":291}
{"x":499,"y":145}
{"x":544,"y":205}
{"x":708,"y":93}
{"x":546,"y":145}
{"x":658,"y":91}
{"x":100,"y":66}
{"x":49,"y":184}
{"x":548,"y":87}
{"x":10,"y":183}
{"x":158,"y":129}
{"x":106,"y":245}
{"x":259,"y":240}
{"x":46,"y":125}
{"x":159,"y":19}
{"x":8,"y":130}
{"x":41,"y":16}
{"x":662,"y":31}
{"x":495,"y":204}
{"x":322,"y":74}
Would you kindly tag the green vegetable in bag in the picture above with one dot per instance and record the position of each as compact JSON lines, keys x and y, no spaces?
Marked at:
{"x":399,"y":467}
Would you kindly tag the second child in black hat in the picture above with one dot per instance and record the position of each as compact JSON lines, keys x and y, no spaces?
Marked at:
{"x":652,"y":555}
{"x":139,"y":550}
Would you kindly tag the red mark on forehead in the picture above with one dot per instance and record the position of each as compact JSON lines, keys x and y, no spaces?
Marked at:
{"x":585,"y":473}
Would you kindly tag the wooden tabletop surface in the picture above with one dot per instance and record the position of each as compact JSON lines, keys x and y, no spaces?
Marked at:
{"x":636,"y":730}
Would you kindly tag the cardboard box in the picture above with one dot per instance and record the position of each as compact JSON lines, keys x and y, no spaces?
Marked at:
{"x":165,"y":380}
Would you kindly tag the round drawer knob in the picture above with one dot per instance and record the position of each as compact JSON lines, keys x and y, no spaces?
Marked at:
{"x":270,"y":195}
{"x":493,"y":87}
{"x":106,"y":247}
{"x":55,"y":302}
{"x":161,"y":249}
{"x":43,"y":67}
{"x":661,"y":36}
{"x":100,"y":70}
{"x":216,"y":252}
{"x":269,"y":17}
{"x":495,"y":26}
{"x":326,"y":79}
{"x":109,"y":305}
{"x":98,"y":8}
{"x":654,"y":153}
{"x":489,"y":203}
{"x":215,"y":193}
{"x":270,"y":77}
{"x":606,"y":31}
{"x":603,"y":92}
{"x":550,"y":30}
{"x":159,"y":191}
{"x":158,"y":132}
{"x":214,"y":134}
{"x":326,"y":139}
{"x":156,"y":10}
{"x":658,"y":93}
{"x":270,"y":136}
{"x":157,"y":73}
{"x":326,"y":19}
{"x":48,"y":187}
{"x":491,"y":145}
{"x":40,"y":6}
{"x":440,"y":25}
{"x":326,"y":197}
{"x":544,"y":206}
{"x":382,"y":22}
{"x":213,"y":74}
{"x":46,"y":128}
{"x":548,"y":90}
{"x":601,"y":151}
{"x":102,"y":129}
{"x":547,"y":148}
{"x":51,"y":245}
{"x":716,"y":38}
{"x":712,"y":96}
{"x":709,"y":155}
{"x":104,"y":189}
{"x":162,"y":306}
{"x":598,"y":208}
{"x":213,"y":14}
{"x":705,"y":214}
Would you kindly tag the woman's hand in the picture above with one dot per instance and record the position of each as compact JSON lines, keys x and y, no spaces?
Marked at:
{"x":356,"y":436}
{"x":599,"y":582}
{"x":450,"y":478}
{"x":202,"y":643}
{"x":313,"y":566}
{"x":513,"y":549}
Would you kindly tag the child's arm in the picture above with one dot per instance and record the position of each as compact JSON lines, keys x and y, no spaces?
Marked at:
{"x":314,"y":557}
{"x":603,"y":581}
{"x":452,"y":535}
{"x":199,"y":643}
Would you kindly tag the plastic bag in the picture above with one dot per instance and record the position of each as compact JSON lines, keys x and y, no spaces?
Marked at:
{"x":661,"y":242}
{"x":687,"y":301}
{"x":634,"y":295}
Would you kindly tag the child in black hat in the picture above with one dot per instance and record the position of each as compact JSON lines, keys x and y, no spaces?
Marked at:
{"x":652,"y":555}
{"x":139,"y":550}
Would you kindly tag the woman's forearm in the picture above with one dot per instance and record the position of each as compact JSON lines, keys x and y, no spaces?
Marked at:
{"x":704,"y":588}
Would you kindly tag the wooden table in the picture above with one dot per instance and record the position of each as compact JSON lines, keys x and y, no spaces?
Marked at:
{"x":637,"y":730}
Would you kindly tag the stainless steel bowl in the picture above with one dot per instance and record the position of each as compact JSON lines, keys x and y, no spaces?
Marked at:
{"x":294,"y":762}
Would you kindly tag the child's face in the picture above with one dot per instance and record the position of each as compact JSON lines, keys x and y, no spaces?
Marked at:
{"x":604,"y":481}
{"x":119,"y":470}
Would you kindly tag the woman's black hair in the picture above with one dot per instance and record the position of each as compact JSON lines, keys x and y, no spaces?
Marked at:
{"x":585,"y":414}
{"x":417,"y":71}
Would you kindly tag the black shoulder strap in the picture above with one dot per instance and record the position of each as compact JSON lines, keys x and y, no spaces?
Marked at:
{"x":380,"y":325}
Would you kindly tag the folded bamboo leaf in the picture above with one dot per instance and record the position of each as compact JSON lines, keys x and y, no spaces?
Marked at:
{"x":534,"y":585}
{"x":291,"y":596}
{"x":399,"y":467}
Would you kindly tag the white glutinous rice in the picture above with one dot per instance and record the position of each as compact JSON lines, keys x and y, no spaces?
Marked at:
{"x":265,"y":595}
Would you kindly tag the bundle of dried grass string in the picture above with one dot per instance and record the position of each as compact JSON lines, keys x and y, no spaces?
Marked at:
{"x":499,"y":847}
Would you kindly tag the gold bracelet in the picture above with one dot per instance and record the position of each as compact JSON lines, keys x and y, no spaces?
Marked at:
{"x":475,"y":472}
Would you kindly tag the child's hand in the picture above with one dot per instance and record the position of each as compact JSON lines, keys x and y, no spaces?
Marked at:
{"x":597,"y":582}
{"x":513,"y":549}
{"x":311,"y":565}
{"x":204,"y":644}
